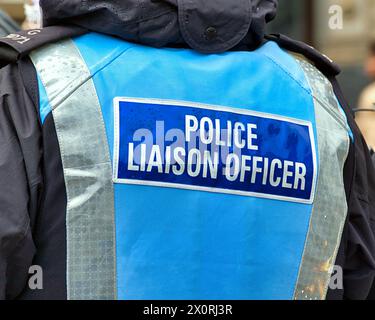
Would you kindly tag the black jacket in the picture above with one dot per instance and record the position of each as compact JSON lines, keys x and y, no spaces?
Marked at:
{"x":32,"y":189}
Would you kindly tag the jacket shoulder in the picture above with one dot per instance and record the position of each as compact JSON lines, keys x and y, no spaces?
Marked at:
{"x":17,"y":45}
{"x":323,"y":63}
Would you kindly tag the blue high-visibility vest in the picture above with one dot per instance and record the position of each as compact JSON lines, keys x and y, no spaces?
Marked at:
{"x":193,"y":176}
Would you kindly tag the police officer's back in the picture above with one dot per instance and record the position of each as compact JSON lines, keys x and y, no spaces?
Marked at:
{"x":227,"y":170}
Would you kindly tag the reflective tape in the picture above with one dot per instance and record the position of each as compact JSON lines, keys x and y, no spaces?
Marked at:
{"x":87,"y":167}
{"x":330,"y":207}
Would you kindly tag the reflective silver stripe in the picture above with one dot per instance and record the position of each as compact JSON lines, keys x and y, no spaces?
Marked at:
{"x":330,"y":207}
{"x":87,"y":167}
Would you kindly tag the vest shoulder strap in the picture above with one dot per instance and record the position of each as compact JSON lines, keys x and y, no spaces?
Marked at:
{"x":15,"y":46}
{"x":321,"y":61}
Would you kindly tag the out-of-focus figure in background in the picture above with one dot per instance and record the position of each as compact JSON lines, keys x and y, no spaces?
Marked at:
{"x":365,"y":116}
{"x":33,"y":15}
{"x":7,"y":24}
{"x":32,"y":19}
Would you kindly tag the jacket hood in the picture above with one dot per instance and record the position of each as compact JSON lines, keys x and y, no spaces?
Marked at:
{"x":205,"y":25}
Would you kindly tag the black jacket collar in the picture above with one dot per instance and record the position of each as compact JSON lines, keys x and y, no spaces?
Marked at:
{"x":207,"y":26}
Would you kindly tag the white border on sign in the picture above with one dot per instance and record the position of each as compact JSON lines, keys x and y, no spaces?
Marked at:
{"x":116,"y":148}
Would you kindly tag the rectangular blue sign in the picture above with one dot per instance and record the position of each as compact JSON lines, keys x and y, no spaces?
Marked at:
{"x":213,"y":148}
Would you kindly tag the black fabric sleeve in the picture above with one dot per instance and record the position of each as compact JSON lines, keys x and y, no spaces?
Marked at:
{"x":20,"y":179}
{"x":357,"y":252}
